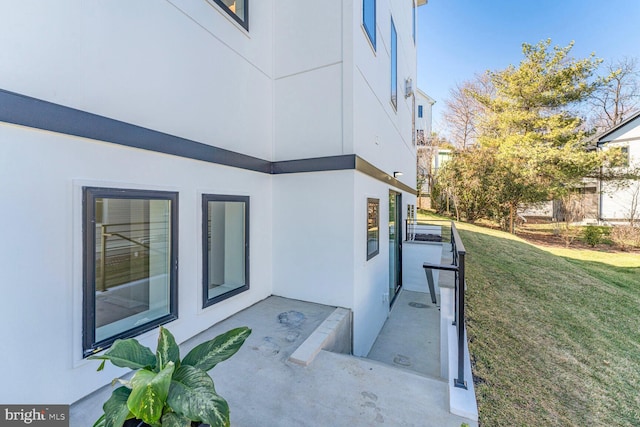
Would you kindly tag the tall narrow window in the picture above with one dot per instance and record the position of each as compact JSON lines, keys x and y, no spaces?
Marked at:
{"x":394,"y":66}
{"x":369,"y":20}
{"x":373,"y":228}
{"x":130,"y":263}
{"x":225,"y":247}
{"x":419,"y":111}
{"x":237,"y":9}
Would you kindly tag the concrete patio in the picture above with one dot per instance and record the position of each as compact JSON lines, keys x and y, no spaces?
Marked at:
{"x":395,"y":386}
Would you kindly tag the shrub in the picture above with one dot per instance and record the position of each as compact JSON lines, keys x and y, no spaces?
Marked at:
{"x":593,"y":235}
{"x":625,"y":236}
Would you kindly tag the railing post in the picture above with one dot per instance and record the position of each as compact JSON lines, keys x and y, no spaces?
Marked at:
{"x":460,"y":382}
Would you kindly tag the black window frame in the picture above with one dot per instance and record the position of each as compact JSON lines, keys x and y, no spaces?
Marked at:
{"x":244,"y":23}
{"x":206,"y":198}
{"x":371,"y":32}
{"x":89,"y":194}
{"x":376,"y":202}
{"x":420,"y":111}
{"x":394,"y":65}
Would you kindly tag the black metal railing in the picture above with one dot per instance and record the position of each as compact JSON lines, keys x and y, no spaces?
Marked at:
{"x":436,"y":230}
{"x":459,"y":253}
{"x":427,"y":231}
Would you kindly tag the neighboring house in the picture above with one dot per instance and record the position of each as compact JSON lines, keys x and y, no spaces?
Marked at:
{"x":424,"y":114}
{"x":176,"y":161}
{"x":602,"y":201}
{"x":617,"y":204}
{"x":426,"y":157}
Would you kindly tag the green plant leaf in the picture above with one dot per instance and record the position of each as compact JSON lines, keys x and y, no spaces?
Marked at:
{"x":167,"y":350}
{"x":192,"y":394}
{"x":171,"y":419}
{"x":100,"y":422}
{"x":115,"y":409}
{"x":127,"y":353}
{"x":149,"y":393}
{"x":208,"y":354}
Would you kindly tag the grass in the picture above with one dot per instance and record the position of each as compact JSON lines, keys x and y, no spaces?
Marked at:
{"x":554,"y":333}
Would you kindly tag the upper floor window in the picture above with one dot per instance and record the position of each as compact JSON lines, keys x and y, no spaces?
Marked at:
{"x":394,"y":65}
{"x":419,"y":111}
{"x":369,"y":20}
{"x":225,"y":250}
{"x":130,"y":263}
{"x":237,"y":9}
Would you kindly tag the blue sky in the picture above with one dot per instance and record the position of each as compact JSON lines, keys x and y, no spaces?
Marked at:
{"x":459,"y":38}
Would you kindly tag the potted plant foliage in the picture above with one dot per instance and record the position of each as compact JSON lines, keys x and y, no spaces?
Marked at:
{"x":166,"y":391}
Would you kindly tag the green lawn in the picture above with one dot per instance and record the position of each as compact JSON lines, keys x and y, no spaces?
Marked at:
{"x":554,"y":333}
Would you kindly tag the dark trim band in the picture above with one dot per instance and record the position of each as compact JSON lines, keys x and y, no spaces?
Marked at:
{"x":318,"y":164}
{"x":31,"y":112}
{"x":35,"y":113}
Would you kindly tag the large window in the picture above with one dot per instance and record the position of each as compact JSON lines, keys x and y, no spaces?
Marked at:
{"x":369,"y":20}
{"x":373,"y":227}
{"x":237,"y":9}
{"x":225,"y":247}
{"x":130,"y":263}
{"x":394,"y":65}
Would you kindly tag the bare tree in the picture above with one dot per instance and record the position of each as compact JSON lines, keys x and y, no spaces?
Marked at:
{"x":634,"y":208}
{"x":428,"y":146}
{"x":462,"y":110}
{"x":619,"y":94}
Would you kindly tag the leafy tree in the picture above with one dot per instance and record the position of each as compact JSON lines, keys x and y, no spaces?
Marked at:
{"x":466,"y":181}
{"x":532,"y":123}
{"x":530,"y":132}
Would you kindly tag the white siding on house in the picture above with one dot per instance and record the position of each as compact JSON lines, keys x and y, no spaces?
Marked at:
{"x":616,"y":202}
{"x":302,"y":82}
{"x":42,"y":251}
{"x":313,"y":245}
{"x":382,"y":135}
{"x":424,"y":123}
{"x":148,"y":63}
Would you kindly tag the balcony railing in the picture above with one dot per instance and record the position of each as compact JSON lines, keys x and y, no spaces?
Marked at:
{"x":445,"y":231}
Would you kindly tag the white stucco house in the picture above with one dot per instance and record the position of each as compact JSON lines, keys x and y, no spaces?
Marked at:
{"x":424,"y":113}
{"x":616,"y":205}
{"x":174,"y":162}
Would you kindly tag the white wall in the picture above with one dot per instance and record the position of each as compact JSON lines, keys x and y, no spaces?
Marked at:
{"x":320,"y":242}
{"x":616,"y":202}
{"x":383,"y":135}
{"x":180,"y":67}
{"x":313,"y":237}
{"x":371,"y":278}
{"x":424,"y":123}
{"x":308,"y":79}
{"x":302,"y":82}
{"x":41,"y":176}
